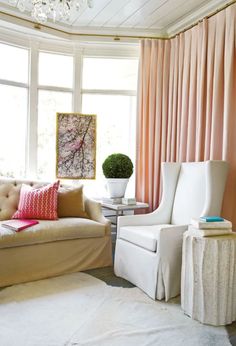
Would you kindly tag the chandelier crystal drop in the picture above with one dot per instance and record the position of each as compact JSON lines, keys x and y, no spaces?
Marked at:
{"x":57,"y":10}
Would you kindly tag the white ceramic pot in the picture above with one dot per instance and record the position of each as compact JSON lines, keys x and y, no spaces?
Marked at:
{"x":116,"y":187}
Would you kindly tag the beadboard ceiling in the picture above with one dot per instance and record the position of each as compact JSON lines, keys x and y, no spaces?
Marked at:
{"x":162,"y":18}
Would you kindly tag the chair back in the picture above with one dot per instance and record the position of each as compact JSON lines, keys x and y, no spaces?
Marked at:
{"x":199,"y":190}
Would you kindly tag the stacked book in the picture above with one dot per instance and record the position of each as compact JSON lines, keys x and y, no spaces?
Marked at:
{"x":117,"y":200}
{"x":129,"y":201}
{"x":207,"y":226}
{"x":126,"y":201}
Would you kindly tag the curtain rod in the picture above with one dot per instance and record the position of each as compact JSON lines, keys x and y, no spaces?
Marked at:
{"x":40,"y":26}
{"x":206,"y":17}
{"x":115,"y":37}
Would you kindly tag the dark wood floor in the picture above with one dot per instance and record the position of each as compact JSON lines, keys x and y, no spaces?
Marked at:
{"x":107,"y":275}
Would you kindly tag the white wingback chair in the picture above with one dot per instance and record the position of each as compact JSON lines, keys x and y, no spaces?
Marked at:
{"x":149,"y":246}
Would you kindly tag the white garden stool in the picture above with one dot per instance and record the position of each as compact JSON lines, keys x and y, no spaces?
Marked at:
{"x":208,"y":280}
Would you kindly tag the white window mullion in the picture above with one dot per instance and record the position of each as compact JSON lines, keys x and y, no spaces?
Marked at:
{"x":31,"y":157}
{"x":12,"y":83}
{"x":109,"y":92}
{"x":78,"y":68}
{"x":53,"y":88}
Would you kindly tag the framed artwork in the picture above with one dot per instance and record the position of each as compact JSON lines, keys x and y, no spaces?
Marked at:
{"x":76,"y":146}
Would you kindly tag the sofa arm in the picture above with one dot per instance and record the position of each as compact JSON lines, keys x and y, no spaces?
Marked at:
{"x":94,"y":211}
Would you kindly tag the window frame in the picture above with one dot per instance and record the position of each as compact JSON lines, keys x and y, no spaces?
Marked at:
{"x":112,"y":92}
{"x":78,"y":50}
{"x":24,"y":86}
{"x":42,"y":87}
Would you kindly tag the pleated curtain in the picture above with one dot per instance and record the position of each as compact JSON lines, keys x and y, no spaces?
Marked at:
{"x":187,"y":104}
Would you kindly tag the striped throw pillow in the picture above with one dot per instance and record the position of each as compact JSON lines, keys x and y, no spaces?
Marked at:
{"x":40,"y":203}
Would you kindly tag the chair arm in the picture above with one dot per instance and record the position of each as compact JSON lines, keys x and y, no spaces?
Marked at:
{"x":153,"y":218}
{"x":170,"y":252}
{"x":94,"y":211}
{"x":170,"y":237}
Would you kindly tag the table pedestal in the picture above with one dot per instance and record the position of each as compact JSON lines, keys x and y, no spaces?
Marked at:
{"x":208,"y":281}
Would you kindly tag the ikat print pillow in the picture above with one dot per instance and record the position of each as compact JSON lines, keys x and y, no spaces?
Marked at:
{"x":38,"y":203}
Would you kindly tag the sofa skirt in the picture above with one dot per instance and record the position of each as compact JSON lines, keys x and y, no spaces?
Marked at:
{"x":40,"y":261}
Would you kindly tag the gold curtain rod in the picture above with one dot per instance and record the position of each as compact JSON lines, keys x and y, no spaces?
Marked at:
{"x":116,"y":37}
{"x":40,"y":26}
{"x":206,"y":17}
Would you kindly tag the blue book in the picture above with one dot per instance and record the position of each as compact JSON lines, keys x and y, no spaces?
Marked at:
{"x":211,"y":218}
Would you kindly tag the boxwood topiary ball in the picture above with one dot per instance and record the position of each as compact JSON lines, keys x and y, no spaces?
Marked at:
{"x":117,"y":166}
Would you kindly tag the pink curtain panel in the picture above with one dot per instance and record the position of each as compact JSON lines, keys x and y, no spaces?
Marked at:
{"x":187,"y":104}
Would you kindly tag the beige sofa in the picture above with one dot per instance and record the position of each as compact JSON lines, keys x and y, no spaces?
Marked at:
{"x":50,"y":248}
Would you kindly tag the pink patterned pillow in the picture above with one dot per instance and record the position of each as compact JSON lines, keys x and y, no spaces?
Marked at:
{"x":40,"y":203}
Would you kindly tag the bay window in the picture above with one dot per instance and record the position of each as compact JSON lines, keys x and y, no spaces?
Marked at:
{"x":35,"y":84}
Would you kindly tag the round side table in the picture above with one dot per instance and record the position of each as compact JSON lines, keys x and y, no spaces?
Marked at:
{"x":208,"y":280}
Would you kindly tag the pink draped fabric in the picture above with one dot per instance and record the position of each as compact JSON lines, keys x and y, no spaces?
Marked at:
{"x":187,"y":104}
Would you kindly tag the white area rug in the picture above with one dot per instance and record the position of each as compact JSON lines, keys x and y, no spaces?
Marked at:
{"x":78,"y":309}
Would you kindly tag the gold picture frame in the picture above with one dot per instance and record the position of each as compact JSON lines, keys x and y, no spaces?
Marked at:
{"x":76,"y":146}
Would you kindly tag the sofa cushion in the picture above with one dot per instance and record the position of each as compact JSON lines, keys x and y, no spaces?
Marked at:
{"x":143,"y":236}
{"x":38,"y":203}
{"x":71,"y":202}
{"x":50,"y":231}
{"x":10,"y":195}
{"x":9,"y":199}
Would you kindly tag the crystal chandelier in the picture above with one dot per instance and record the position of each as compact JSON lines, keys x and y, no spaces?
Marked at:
{"x":57,"y":10}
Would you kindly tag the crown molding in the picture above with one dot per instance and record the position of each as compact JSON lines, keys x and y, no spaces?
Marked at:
{"x":49,"y":43}
{"x":191,"y":19}
{"x":10,"y":19}
{"x":119,"y":32}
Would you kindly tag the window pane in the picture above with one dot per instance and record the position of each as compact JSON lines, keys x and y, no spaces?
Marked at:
{"x":14,"y":63}
{"x":55,"y":70}
{"x":49,"y":103}
{"x":116,"y":74}
{"x":13,"y":115}
{"x":115,"y":133}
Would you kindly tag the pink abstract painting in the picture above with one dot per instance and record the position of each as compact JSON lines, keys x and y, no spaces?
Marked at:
{"x":76,"y":146}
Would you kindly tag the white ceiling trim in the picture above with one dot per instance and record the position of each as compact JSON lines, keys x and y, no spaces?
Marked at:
{"x":194,"y":17}
{"x":138,"y":33}
{"x":9,"y":18}
{"x":47,"y":43}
